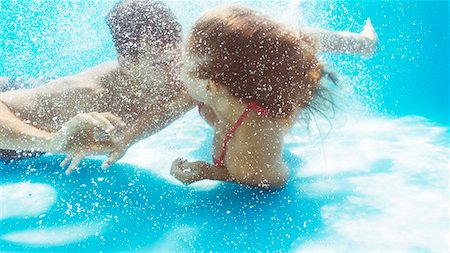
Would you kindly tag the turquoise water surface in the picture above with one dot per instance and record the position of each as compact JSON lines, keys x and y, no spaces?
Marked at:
{"x":374,"y":178}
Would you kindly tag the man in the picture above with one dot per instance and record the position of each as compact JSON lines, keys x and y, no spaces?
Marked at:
{"x":127,"y":100}
{"x":107,"y":108}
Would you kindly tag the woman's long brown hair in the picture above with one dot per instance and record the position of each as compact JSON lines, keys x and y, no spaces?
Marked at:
{"x":256,"y":58}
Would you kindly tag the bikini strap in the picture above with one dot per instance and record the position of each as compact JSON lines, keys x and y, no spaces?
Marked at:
{"x":260,"y":111}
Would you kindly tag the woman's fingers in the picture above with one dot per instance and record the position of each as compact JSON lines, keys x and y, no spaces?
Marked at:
{"x":177,"y":166}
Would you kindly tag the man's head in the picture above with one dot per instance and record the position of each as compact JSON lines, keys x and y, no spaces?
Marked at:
{"x":135,"y":22}
{"x":146,"y":34}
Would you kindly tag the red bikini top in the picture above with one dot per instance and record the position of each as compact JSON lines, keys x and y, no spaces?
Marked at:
{"x":260,"y":111}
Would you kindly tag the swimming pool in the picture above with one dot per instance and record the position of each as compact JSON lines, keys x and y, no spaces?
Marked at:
{"x":375,"y":179}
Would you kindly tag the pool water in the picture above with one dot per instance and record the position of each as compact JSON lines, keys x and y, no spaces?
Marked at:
{"x":374,"y":177}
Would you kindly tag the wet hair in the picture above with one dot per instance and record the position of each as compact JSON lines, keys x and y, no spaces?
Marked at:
{"x":132,"y":20}
{"x":256,"y":59}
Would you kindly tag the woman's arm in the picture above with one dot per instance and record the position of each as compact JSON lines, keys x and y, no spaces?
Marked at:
{"x":363,"y":43}
{"x":190,"y":172}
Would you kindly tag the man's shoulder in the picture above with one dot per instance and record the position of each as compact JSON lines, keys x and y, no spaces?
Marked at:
{"x":97,"y":72}
{"x":100,"y":69}
{"x":90,"y":78}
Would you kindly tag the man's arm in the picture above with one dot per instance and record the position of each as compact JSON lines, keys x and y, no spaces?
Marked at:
{"x":157,"y":117}
{"x":74,"y":134}
{"x":18,"y":135}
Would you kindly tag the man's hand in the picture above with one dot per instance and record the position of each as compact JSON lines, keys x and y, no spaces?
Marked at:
{"x":118,"y":152}
{"x":87,"y":134}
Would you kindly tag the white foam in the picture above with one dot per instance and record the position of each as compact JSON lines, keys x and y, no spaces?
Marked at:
{"x":174,"y":240}
{"x":180,"y":139}
{"x":54,"y":236}
{"x":409,"y":142}
{"x":25,"y":199}
{"x":393,"y":174}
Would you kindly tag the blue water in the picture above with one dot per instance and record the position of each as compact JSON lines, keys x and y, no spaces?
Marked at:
{"x":410,"y":70}
{"x":378,"y":180}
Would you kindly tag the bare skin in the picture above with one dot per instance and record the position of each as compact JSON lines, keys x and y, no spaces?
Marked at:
{"x":109,"y":107}
{"x":253,"y":155}
{"x":108,"y":97}
{"x":363,"y":43}
{"x":51,"y":105}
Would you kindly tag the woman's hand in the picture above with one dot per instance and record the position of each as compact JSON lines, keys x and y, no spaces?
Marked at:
{"x":87,"y":134}
{"x":369,"y":32}
{"x":186,"y":172}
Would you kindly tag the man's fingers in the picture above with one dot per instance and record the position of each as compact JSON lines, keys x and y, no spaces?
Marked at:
{"x":107,"y":122}
{"x":368,"y":30}
{"x":80,"y":122}
{"x":65,"y":161}
{"x":113,"y":158}
{"x":103,"y":122}
{"x":91,"y":120}
{"x":83,"y":120}
{"x":73,"y":165}
{"x":114,"y":119}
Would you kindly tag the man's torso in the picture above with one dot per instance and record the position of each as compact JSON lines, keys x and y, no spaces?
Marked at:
{"x":94,"y":90}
